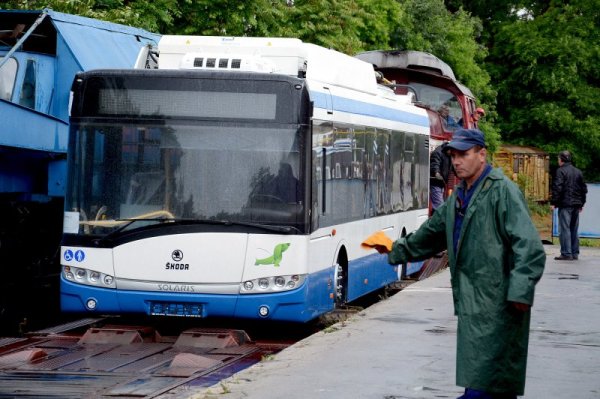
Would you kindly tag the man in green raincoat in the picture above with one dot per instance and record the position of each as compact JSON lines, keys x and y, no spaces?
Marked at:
{"x":496,"y":258}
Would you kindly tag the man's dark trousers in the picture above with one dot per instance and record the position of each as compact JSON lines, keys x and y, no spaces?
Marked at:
{"x":568,"y":224}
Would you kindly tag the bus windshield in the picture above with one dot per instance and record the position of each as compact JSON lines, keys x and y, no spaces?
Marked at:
{"x":184,"y":170}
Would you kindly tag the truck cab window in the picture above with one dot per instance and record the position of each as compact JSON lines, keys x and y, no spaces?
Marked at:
{"x":27,"y":97}
{"x":8,"y":73}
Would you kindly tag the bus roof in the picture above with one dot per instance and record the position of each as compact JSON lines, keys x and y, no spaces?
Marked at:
{"x":282,"y":55}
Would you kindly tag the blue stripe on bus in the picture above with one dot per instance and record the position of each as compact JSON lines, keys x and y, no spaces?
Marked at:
{"x":343,"y":104}
{"x":368,"y":274}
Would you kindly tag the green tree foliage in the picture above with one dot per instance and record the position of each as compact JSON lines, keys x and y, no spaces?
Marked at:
{"x":493,"y":13}
{"x":384,"y":19}
{"x":229,"y":18}
{"x":547,"y":70}
{"x":333,"y":24}
{"x":153,"y":15}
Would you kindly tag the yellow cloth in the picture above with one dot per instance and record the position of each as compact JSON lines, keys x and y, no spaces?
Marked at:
{"x":378,"y":238}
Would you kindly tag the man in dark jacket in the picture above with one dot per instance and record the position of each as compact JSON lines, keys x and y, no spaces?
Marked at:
{"x":496,"y":258}
{"x":439,"y":169}
{"x":568,"y":195}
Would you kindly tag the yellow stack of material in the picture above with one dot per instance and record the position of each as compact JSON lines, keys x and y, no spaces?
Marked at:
{"x":529,"y":167}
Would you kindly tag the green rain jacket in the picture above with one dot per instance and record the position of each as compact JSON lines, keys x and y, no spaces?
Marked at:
{"x":499,"y":258}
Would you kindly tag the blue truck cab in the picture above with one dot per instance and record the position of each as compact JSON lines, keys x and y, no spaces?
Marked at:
{"x":40,"y":53}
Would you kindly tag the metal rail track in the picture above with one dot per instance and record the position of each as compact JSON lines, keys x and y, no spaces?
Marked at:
{"x":122,"y":361}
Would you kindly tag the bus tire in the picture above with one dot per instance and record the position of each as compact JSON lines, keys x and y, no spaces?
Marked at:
{"x":341,"y":279}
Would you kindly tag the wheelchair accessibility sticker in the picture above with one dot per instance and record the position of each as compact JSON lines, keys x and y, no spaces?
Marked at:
{"x":79,"y":255}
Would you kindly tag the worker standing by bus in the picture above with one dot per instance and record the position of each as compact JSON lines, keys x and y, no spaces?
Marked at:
{"x":496,"y":258}
{"x":439,"y":168}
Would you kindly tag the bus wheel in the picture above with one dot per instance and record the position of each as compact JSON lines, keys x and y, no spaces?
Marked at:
{"x":341,"y":282}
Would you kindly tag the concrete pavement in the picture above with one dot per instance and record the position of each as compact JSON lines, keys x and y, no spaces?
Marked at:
{"x":404,"y":347}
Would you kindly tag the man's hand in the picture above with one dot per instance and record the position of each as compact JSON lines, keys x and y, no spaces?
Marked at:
{"x":382,"y":249}
{"x":523,"y":307}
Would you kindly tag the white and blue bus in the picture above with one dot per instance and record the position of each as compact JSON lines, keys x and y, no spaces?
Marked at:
{"x":238,"y":179}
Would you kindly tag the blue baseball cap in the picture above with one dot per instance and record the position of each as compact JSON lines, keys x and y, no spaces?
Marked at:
{"x":465,"y":139}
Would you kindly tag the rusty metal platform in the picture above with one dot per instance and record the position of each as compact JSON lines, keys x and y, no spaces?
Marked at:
{"x":120,"y":361}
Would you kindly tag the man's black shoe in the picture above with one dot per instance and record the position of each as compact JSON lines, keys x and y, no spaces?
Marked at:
{"x":575,"y":257}
{"x":563,"y":258}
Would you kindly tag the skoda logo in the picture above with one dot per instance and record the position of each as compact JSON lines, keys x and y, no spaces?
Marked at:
{"x":177,"y":255}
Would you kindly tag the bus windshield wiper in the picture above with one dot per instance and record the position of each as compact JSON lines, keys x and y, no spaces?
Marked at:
{"x":126,"y":223}
{"x":226,"y":222}
{"x":268,"y":227}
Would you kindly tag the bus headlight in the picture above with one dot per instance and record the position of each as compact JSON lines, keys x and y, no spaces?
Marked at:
{"x":88,"y":277}
{"x":272,"y":284}
{"x":279,"y":281}
{"x":263,"y":283}
{"x":68,"y":273}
